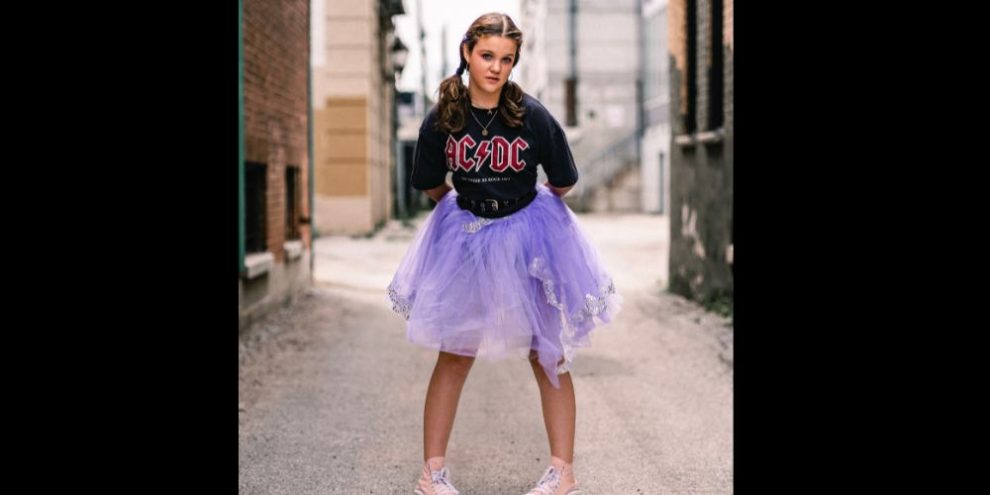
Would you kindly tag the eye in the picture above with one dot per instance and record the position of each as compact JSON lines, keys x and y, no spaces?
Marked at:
{"x":507,"y":60}
{"x":487,"y":56}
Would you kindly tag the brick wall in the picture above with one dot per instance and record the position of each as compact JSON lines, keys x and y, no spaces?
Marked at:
{"x":276,"y":60}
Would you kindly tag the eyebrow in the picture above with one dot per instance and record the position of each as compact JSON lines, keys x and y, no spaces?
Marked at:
{"x":485,"y":50}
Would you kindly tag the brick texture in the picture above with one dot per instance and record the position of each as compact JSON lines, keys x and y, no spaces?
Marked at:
{"x":276,"y":58}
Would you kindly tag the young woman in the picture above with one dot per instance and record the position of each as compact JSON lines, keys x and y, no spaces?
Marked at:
{"x":500,"y":267}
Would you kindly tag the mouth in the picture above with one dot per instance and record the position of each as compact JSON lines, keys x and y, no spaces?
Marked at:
{"x":492,"y":79}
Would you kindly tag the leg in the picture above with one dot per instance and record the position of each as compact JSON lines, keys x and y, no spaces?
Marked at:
{"x":559,"y":413}
{"x":442,"y":397}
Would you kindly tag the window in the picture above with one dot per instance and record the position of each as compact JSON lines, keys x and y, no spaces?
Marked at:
{"x":690,"y":117}
{"x":715,"y":69}
{"x":570,"y":100}
{"x":254,"y":197}
{"x":291,"y":202}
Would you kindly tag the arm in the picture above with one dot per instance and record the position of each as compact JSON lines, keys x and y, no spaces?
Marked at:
{"x":554,"y":151}
{"x":437,"y":192}
{"x":559,"y":191}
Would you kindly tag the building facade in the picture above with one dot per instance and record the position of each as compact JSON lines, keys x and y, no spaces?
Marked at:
{"x":701,"y":50}
{"x":354,"y":114}
{"x":656,"y":139}
{"x":275,"y":208}
{"x":581,"y":58}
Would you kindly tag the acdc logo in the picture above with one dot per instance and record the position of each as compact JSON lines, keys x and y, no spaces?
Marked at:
{"x":503,"y":154}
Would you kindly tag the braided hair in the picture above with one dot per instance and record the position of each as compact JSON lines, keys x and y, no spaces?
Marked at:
{"x":454,"y":101}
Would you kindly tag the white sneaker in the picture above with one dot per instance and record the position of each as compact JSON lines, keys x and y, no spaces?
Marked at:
{"x":550,"y":482}
{"x":435,"y":482}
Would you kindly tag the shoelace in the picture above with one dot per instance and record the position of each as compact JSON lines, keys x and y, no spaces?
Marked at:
{"x":548,"y":483}
{"x":441,"y":486}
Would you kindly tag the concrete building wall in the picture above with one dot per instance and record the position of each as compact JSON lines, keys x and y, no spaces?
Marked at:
{"x":352,"y":118}
{"x":655,"y":145}
{"x":607,"y":61}
{"x":280,"y":286}
{"x":655,"y":170}
{"x":606,"y":66}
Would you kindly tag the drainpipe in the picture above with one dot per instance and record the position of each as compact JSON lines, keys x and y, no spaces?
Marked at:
{"x":312,"y":165}
{"x":240,"y":137}
{"x":571,"y":104}
{"x":640,"y":76}
{"x":572,"y":11}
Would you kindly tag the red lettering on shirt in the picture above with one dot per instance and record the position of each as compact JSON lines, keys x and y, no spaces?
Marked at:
{"x":499,"y":153}
{"x":462,"y":150}
{"x":518,"y":145}
{"x":482,"y":154}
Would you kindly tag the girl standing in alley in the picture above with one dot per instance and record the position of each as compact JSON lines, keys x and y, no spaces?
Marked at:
{"x":500,"y":267}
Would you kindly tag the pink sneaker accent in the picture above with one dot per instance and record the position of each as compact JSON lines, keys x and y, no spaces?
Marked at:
{"x":550,"y":482}
{"x":435,"y":482}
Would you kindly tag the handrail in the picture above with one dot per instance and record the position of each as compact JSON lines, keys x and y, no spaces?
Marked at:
{"x":606,"y":164}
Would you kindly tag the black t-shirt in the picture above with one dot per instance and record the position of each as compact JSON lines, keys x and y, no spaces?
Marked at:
{"x":501,"y":165}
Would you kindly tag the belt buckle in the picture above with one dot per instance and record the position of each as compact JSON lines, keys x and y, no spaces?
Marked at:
{"x":494,"y":203}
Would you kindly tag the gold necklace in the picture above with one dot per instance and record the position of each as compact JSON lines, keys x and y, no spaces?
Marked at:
{"x":484,"y":127}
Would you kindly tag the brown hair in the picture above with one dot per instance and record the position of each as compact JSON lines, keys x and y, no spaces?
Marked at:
{"x":454,"y":101}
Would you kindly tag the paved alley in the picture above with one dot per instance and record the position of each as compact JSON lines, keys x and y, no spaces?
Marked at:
{"x":332,"y":394}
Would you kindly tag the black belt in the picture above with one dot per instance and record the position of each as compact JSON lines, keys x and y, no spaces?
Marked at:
{"x":495,"y":208}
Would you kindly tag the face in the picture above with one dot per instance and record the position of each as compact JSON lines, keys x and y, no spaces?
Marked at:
{"x":490,"y":63}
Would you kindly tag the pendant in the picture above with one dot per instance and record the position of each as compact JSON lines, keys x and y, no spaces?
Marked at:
{"x":484,"y":132}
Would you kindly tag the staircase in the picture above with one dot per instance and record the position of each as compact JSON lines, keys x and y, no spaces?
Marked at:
{"x":608,"y":166}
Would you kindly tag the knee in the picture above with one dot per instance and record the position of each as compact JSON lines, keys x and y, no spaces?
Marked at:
{"x":534,"y":358}
{"x":455,"y":362}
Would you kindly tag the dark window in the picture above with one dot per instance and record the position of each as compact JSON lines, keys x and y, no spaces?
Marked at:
{"x":570,"y":100}
{"x":690,"y":118}
{"x":570,"y":84}
{"x":715,"y":69}
{"x":254,"y":198}
{"x":291,"y":202}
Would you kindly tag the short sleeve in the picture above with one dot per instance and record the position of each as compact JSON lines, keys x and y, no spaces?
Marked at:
{"x":555,"y":153}
{"x":429,"y":168}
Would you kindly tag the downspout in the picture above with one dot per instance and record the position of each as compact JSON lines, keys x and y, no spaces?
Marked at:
{"x":309,"y":128}
{"x":572,"y":13}
{"x":240,"y":137}
{"x":571,"y":103}
{"x":640,"y":78}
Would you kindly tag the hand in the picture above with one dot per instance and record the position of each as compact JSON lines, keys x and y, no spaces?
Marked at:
{"x":437,"y":193}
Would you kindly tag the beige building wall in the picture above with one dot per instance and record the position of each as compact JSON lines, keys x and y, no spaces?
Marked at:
{"x":352,"y":119}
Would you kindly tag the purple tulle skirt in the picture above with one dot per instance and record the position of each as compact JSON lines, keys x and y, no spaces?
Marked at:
{"x":495,"y":288}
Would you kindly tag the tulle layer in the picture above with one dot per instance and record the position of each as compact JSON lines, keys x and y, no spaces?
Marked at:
{"x":495,"y":288}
